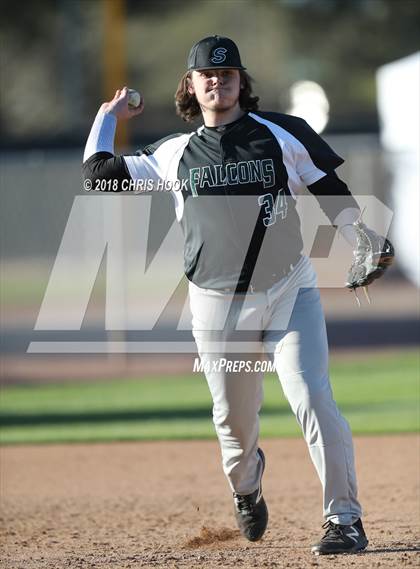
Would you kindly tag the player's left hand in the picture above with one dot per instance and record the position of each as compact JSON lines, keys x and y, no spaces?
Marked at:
{"x":119,"y":106}
{"x":372,"y":256}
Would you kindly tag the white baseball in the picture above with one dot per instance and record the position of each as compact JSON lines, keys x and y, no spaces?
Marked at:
{"x":134,"y":98}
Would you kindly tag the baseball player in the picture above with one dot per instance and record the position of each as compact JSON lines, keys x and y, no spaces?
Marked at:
{"x":249,"y":283}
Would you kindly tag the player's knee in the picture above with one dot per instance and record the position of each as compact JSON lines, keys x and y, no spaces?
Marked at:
{"x":320,"y":419}
{"x":230,"y":423}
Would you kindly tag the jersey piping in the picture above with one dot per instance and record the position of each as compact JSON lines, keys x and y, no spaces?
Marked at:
{"x":162,"y":164}
{"x":292,"y":148}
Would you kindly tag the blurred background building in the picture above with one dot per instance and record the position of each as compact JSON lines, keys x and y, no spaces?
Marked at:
{"x":333,"y":61}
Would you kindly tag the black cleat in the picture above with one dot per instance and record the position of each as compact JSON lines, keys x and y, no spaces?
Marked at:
{"x":341,"y":539}
{"x":251,"y":511}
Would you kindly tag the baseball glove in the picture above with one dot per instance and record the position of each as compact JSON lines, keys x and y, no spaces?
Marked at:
{"x":372,"y":256}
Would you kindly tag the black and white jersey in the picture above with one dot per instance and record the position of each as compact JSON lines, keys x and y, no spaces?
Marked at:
{"x":235,"y":189}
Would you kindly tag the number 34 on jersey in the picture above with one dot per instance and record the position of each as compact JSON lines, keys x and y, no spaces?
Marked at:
{"x":271,"y":209}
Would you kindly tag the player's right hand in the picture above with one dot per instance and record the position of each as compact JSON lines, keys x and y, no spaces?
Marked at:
{"x":119,"y":105}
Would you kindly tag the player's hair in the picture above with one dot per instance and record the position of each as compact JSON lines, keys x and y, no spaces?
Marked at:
{"x":187,"y":106}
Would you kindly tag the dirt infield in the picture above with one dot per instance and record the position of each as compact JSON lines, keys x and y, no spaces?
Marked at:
{"x":167,"y":505}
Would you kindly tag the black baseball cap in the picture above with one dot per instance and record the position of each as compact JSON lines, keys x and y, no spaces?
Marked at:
{"x":214,"y":52}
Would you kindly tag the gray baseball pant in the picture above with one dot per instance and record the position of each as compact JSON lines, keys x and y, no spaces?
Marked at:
{"x":287,"y":322}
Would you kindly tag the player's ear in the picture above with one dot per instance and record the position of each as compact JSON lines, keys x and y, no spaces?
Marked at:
{"x":190,"y":86}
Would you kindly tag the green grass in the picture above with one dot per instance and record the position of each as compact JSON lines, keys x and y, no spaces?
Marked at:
{"x":378,"y":394}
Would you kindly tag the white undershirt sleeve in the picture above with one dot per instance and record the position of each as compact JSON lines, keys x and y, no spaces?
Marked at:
{"x":101,"y":136}
{"x":101,"y":139}
{"x":344,"y":222}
